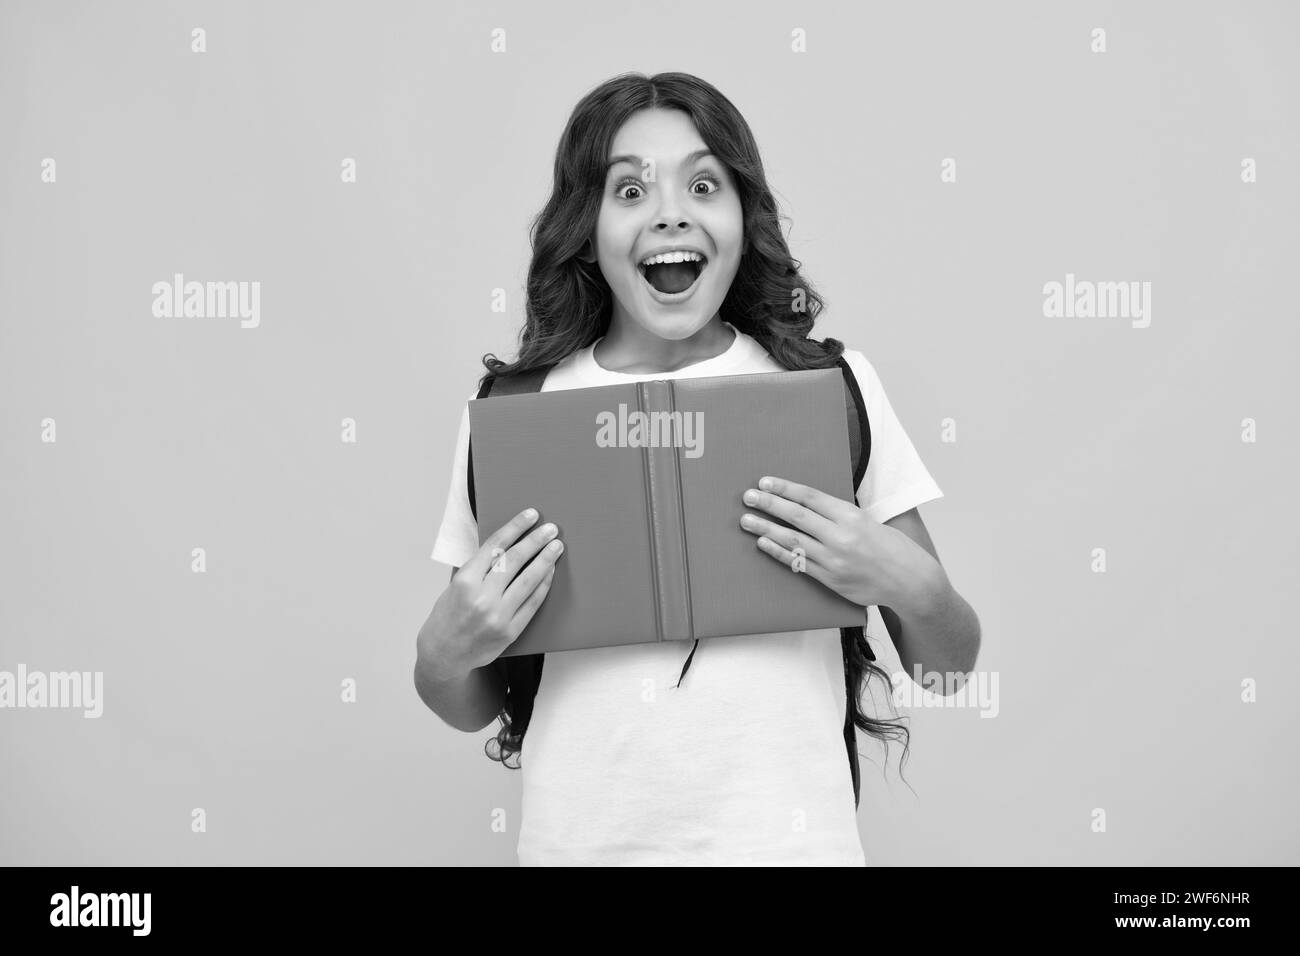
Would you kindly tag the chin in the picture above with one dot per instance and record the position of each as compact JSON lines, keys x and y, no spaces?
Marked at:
{"x":677,"y":324}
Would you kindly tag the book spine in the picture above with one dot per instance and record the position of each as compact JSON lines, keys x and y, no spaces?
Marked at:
{"x":664,"y":507}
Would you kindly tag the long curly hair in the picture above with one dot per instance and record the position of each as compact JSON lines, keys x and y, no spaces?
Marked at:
{"x":569,"y":305}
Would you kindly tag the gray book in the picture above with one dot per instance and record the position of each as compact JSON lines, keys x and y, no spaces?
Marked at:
{"x":644,"y":481}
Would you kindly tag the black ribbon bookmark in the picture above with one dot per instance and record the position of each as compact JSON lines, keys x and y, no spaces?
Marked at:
{"x":687,"y":665}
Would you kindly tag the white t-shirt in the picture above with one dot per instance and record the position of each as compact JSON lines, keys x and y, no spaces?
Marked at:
{"x":744,"y":763}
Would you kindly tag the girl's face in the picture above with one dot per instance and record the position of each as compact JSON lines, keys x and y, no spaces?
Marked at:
{"x":664,"y":190}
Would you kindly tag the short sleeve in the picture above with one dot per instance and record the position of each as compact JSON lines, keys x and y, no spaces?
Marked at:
{"x":458,"y":535}
{"x":896,"y":479}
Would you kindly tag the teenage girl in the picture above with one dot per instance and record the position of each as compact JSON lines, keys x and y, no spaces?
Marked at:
{"x":659,"y":255}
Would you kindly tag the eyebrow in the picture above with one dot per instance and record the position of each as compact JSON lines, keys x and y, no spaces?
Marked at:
{"x":637,"y":161}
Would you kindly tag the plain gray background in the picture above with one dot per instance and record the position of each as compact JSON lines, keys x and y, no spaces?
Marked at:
{"x":1119,"y":691}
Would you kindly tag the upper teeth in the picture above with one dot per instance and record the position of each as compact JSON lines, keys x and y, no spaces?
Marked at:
{"x":673,"y":257}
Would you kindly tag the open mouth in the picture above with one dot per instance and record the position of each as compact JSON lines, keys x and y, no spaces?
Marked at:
{"x":673,"y":278}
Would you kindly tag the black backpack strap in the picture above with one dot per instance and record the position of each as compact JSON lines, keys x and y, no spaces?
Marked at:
{"x":860,"y":454}
{"x":849,"y":636}
{"x":859,"y":426}
{"x":521,"y":673}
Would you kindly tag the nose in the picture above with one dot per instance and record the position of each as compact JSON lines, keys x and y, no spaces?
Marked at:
{"x":664,"y":225}
{"x":670,"y":213}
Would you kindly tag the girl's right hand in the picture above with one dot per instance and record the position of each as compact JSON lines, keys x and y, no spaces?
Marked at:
{"x":490,"y":600}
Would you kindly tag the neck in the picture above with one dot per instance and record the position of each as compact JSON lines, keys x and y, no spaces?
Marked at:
{"x":632,"y":350}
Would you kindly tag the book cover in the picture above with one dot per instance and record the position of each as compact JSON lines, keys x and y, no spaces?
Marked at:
{"x":644,"y":481}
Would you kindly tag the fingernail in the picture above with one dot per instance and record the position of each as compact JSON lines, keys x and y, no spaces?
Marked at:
{"x":751,"y":497}
{"x":556,"y":546}
{"x":530,"y":513}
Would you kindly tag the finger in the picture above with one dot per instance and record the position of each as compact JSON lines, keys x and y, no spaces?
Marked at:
{"x":835,"y":510}
{"x":792,"y":512}
{"x":788,"y":538}
{"x":532,"y":573}
{"x":480,"y":562}
{"x":513,"y":560}
{"x":787,"y":557}
{"x":533,"y":599}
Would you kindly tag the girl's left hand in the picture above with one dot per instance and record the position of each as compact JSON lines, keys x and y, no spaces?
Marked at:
{"x":863,"y":560}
